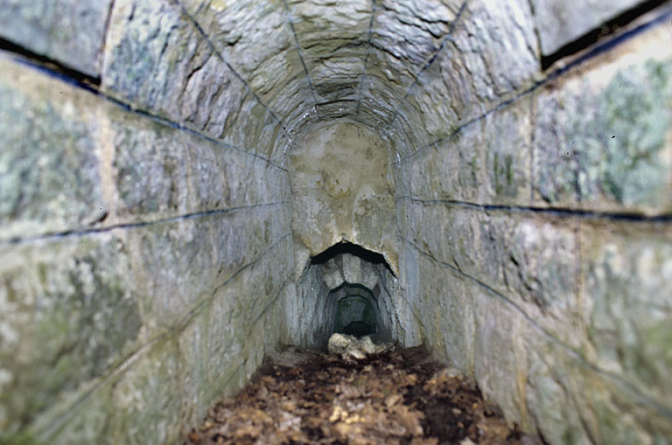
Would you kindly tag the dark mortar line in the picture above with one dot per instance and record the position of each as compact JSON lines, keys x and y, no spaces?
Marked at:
{"x":196,"y":309}
{"x":251,"y":305}
{"x":94,"y":90}
{"x":196,"y":133}
{"x":613,"y":42}
{"x":59,"y":69}
{"x":444,"y":40}
{"x":235,"y":372}
{"x":300,"y":51}
{"x":132,"y":225}
{"x":597,"y":50}
{"x":414,"y":310}
{"x":137,"y":354}
{"x":561,"y":212}
{"x":218,"y":53}
{"x":366,"y":58}
{"x":50,"y":70}
{"x":591,"y":37}
{"x":616,"y":379}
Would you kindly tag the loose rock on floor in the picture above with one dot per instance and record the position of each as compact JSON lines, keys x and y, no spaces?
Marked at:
{"x":391,"y":398}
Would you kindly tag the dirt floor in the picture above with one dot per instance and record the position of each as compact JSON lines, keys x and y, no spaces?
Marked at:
{"x":393,"y":398}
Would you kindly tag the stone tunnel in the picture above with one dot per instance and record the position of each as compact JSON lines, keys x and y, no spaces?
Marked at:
{"x":187,"y":185}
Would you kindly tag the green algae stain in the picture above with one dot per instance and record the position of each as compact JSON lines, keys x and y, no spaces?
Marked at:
{"x":504,"y":175}
{"x":624,"y":135}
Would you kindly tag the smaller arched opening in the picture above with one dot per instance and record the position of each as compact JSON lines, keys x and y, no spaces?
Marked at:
{"x":346,"y":289}
{"x":356,"y":312}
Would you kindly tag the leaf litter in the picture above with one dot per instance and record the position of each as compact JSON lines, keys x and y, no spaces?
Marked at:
{"x":398,"y":397}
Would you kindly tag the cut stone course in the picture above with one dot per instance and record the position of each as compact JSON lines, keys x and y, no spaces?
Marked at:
{"x":70,"y":32}
{"x":174,"y":175}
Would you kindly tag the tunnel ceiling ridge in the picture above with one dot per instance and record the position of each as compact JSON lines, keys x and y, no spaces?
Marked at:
{"x":375,"y":62}
{"x":414,"y":71}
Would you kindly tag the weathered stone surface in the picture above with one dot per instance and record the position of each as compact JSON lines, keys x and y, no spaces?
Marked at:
{"x":305,"y":308}
{"x":54,"y":295}
{"x":110,"y":165}
{"x":378,"y":99}
{"x":122,"y":288}
{"x":334,"y":43}
{"x":190,"y":259}
{"x":156,"y":60}
{"x":470,"y":75}
{"x":603,"y":139}
{"x":486,"y":162}
{"x":257,"y":40}
{"x":531,"y":262}
{"x":228,"y":318}
{"x":405,"y":36}
{"x":522,"y":368}
{"x":571,"y":307}
{"x":161,"y":172}
{"x":49,"y":155}
{"x":560,"y":23}
{"x":71,"y":32}
{"x":340,"y":177}
{"x":155,"y":377}
{"x":627,"y":273}
{"x":512,"y":265}
{"x":498,"y":45}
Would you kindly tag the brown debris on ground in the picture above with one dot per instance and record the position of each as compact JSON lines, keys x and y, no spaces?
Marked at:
{"x":392,"y":398}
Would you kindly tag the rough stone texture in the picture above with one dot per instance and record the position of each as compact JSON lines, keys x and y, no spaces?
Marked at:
{"x":333,"y":38}
{"x":163,"y":272}
{"x":170,"y":216}
{"x":48,"y":141}
{"x":71,"y":32}
{"x":54,"y":295}
{"x":570,"y":304}
{"x":560,"y":23}
{"x":404,"y":37}
{"x":109,"y":166}
{"x":488,"y":161}
{"x":157,"y":61}
{"x":343,"y":190}
{"x":312,"y":307}
{"x":124,"y":292}
{"x":469,"y":74}
{"x":257,"y":40}
{"x":349,"y":269}
{"x":612,"y":128}
{"x":625,"y":287}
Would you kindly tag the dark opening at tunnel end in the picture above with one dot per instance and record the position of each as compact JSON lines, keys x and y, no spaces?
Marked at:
{"x":352,"y":249}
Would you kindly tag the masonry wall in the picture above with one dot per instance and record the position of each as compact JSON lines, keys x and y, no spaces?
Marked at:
{"x":144,"y":247}
{"x":147,"y":248}
{"x":536,"y":244}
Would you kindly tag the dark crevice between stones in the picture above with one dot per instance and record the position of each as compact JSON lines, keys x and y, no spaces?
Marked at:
{"x":352,"y":249}
{"x":54,"y":67}
{"x":611,"y":27}
{"x":559,"y":212}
